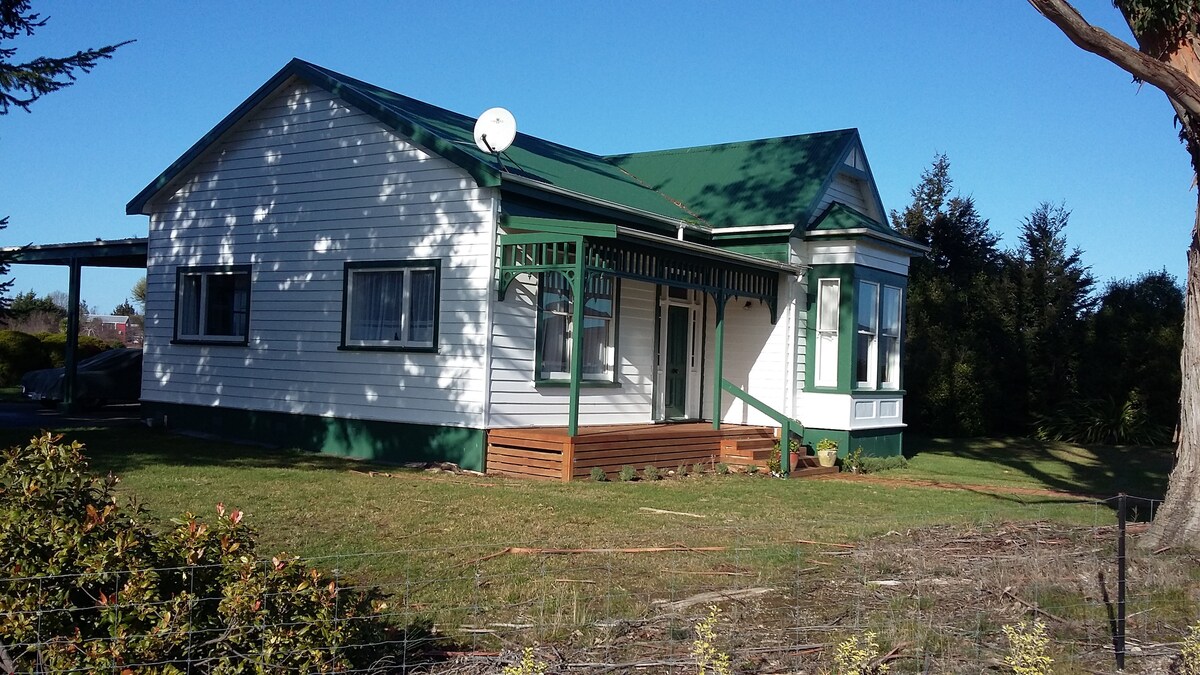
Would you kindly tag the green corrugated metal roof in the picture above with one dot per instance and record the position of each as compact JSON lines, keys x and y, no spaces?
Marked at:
{"x":765,"y":182}
{"x":838,"y":216}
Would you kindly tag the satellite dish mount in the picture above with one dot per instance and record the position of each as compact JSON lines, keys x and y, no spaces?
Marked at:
{"x":495,"y":131}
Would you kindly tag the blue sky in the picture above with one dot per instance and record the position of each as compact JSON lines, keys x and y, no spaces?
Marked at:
{"x":1024,"y":115}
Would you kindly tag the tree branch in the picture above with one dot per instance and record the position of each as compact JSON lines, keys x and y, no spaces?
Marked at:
{"x":1180,"y":88}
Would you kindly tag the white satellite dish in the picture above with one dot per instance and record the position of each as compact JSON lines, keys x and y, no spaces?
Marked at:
{"x":495,"y":130}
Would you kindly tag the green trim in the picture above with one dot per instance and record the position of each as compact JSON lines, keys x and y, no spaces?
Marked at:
{"x":556,"y":226}
{"x":348,"y":270}
{"x":390,"y":442}
{"x":884,"y":442}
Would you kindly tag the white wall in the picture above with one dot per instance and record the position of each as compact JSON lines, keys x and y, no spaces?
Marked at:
{"x":516,"y":402}
{"x":758,"y":356}
{"x":303,"y":185}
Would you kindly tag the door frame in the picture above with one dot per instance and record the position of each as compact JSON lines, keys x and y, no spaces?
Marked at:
{"x":693,"y":301}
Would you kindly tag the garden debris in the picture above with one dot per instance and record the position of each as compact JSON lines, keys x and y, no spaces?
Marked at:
{"x":711,"y":597}
{"x":821,"y":543}
{"x":647,"y":509}
{"x":524,"y":550}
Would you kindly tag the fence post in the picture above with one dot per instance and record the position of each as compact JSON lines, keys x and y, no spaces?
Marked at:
{"x":1119,"y":638}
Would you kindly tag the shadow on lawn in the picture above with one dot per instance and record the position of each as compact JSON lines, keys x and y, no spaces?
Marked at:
{"x":1101,"y":471}
{"x":126,"y":448}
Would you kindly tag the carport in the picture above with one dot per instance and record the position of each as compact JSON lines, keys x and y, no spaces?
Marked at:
{"x":123,"y":253}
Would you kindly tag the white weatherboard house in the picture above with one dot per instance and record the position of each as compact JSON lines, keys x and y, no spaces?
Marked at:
{"x":336,"y":266}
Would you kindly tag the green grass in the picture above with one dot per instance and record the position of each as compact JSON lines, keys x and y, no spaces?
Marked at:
{"x":421,"y":536}
{"x":1027,"y":463}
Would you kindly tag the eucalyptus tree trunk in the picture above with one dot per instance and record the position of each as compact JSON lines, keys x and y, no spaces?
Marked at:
{"x":1168,"y":57}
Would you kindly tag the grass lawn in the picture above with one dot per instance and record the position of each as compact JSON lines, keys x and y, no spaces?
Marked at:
{"x":421,"y":536}
{"x":1026,"y":463}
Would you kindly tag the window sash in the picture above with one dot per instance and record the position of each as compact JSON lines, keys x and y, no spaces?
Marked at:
{"x":828,"y":313}
{"x":213,"y":305}
{"x":890,"y":340}
{"x":555,"y":319}
{"x":867,"y":349}
{"x":391,"y":306}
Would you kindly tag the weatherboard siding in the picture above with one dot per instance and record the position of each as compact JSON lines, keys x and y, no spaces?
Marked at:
{"x":847,"y":190}
{"x":517,"y":402}
{"x":758,"y":357}
{"x":303,"y":185}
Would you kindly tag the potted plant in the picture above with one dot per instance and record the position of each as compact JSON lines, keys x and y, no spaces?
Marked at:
{"x":827,"y":450}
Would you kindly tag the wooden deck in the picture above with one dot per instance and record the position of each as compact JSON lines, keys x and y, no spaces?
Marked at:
{"x":547,"y":452}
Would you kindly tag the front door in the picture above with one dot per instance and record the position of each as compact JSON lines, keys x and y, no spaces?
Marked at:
{"x":675,"y":363}
{"x":678,"y":360}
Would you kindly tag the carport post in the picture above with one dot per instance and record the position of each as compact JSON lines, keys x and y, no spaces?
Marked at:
{"x":71,"y":356}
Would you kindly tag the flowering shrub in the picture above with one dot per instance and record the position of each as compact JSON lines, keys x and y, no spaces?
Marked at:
{"x":90,"y":586}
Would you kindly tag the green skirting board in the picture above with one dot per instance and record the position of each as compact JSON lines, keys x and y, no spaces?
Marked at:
{"x":388,"y":442}
{"x":874,"y":442}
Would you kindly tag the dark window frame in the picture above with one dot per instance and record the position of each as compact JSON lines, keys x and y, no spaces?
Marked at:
{"x":408,"y":266}
{"x":205,"y":272}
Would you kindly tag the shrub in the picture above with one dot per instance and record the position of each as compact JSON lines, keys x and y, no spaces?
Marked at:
{"x":857,"y":655}
{"x":1189,"y":652}
{"x":722,"y":468}
{"x":681,"y":470}
{"x":752,"y":469}
{"x":1102,"y":421}
{"x":1027,"y":644}
{"x":19,"y":354}
{"x":54,"y":345}
{"x":697,"y":468}
{"x":854,"y":461}
{"x":529,"y":665}
{"x":598,"y":474}
{"x":877,"y":464}
{"x":709,"y":659}
{"x":774,"y":464}
{"x":651,"y":472}
{"x":97,"y":586}
{"x":627,"y":473}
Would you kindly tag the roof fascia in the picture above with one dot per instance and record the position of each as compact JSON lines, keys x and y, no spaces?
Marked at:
{"x":913,"y":247}
{"x":870,"y":179}
{"x":482,"y":173}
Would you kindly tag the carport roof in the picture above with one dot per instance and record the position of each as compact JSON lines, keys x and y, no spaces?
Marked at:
{"x":130,"y":253}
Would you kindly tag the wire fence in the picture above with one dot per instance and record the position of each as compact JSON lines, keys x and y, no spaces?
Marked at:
{"x":935,"y":597}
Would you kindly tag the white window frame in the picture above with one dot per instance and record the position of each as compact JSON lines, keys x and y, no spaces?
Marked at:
{"x":402,"y":341}
{"x":871,"y":333}
{"x":205,"y":275}
{"x":826,"y":357}
{"x":892,"y":353}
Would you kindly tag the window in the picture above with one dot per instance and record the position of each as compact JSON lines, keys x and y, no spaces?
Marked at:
{"x":554,"y":327}
{"x":212,"y":304}
{"x":391,"y":305}
{"x":889,"y":341}
{"x":828,"y":301}
{"x":866,"y":352}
